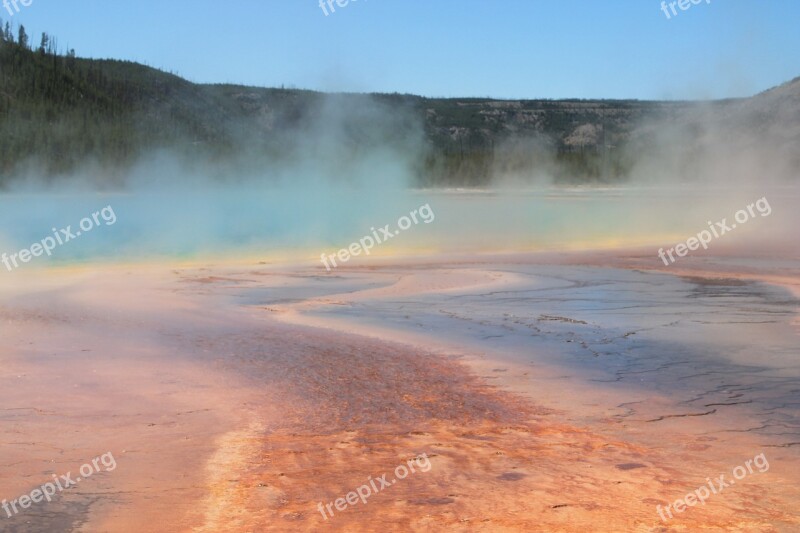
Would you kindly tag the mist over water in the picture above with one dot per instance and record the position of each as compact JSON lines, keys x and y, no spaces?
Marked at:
{"x":290,"y":224}
{"x":347,"y":172}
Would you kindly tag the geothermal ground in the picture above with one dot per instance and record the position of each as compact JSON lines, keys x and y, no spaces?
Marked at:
{"x":572,"y":392}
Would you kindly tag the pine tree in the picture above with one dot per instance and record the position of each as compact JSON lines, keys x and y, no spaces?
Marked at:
{"x":44,"y":44}
{"x":22,"y":40}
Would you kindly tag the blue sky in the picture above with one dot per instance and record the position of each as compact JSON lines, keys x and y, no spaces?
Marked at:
{"x":498,"y":48}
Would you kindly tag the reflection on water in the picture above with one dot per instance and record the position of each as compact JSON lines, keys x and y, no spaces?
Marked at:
{"x":709,"y":345}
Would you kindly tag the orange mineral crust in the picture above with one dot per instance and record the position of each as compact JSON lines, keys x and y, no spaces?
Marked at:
{"x":448,"y":395}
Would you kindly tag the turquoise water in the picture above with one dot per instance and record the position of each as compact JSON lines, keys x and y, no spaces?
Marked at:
{"x":305,"y":222}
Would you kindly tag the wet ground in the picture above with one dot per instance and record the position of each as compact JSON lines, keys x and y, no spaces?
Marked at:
{"x":563,"y":394}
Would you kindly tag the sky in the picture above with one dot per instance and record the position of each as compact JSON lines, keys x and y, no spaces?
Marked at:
{"x":443,"y":48}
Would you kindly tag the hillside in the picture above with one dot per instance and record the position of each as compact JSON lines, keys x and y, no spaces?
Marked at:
{"x":59,"y":113}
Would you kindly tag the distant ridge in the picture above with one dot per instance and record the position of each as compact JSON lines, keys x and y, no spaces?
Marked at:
{"x":59,"y":113}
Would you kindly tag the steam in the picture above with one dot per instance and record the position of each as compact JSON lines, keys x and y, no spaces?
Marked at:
{"x":351,"y":163}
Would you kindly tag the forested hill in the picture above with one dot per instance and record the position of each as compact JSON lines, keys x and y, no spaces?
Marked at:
{"x":59,"y":112}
